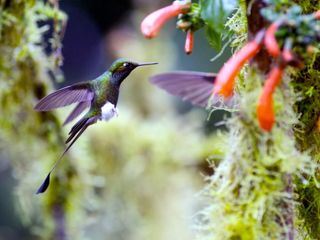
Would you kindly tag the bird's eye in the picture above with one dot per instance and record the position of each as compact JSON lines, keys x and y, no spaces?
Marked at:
{"x":125,"y":64}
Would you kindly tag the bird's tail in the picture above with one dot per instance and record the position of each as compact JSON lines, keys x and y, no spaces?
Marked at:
{"x":74,"y":134}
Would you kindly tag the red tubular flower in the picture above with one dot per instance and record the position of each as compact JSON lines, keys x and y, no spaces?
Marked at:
{"x":225,"y":79}
{"x":265,"y":110}
{"x":270,"y":40}
{"x":152,"y":24}
{"x":188,"y":47}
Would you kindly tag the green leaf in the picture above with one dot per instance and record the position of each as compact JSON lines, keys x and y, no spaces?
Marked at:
{"x":215,"y":14}
{"x":214,"y":38}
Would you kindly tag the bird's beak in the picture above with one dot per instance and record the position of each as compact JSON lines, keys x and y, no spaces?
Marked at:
{"x":146,"y":64}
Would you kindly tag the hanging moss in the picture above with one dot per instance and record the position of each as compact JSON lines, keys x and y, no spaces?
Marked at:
{"x":306,"y":84}
{"x":252,"y":193}
{"x":248,"y":193}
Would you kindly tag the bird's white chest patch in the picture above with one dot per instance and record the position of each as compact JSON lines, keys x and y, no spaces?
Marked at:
{"x":108,"y":111}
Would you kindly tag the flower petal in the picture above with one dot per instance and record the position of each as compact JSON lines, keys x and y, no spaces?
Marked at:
{"x":226,"y":77}
{"x":152,"y":24}
{"x":265,"y":112}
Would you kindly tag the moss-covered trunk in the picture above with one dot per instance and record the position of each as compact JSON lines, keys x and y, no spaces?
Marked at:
{"x":25,"y":65}
{"x":266,"y":185}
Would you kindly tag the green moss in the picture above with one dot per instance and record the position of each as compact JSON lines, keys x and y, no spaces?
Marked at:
{"x":308,"y":6}
{"x":252,"y":193}
{"x":24,"y":78}
{"x":306,"y":84}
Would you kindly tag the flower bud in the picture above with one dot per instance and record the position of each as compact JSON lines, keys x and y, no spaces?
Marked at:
{"x":188,"y":47}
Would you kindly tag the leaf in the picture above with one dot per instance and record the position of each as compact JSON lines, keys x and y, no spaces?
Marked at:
{"x":215,"y":14}
{"x":214,"y":38}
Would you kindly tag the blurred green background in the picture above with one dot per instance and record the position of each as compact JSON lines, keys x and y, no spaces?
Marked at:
{"x":140,"y":175}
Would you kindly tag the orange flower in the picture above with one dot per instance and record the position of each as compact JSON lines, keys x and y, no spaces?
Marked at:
{"x":152,"y":24}
{"x":188,"y":47}
{"x":225,"y":80}
{"x":270,"y":40}
{"x":265,"y":110}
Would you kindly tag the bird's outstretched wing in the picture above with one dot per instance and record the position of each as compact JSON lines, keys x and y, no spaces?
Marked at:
{"x":74,"y":134}
{"x":194,"y":87}
{"x":78,"y":92}
{"x":81,"y":106}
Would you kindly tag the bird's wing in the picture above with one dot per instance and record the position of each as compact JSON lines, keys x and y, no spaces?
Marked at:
{"x":78,"y":92}
{"x":75,"y":133}
{"x":81,"y":106}
{"x":194,"y":87}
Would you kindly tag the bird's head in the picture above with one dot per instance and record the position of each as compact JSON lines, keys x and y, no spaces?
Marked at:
{"x":121,"y":68}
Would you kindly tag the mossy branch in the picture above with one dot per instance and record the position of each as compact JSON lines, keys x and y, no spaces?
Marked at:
{"x":252,"y":193}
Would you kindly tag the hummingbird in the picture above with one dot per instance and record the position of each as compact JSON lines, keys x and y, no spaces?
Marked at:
{"x":99,"y":95}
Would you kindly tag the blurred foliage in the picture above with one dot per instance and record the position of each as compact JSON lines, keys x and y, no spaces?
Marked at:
{"x":215,"y":14}
{"x":113,"y":184}
{"x":150,"y":178}
{"x":25,"y":64}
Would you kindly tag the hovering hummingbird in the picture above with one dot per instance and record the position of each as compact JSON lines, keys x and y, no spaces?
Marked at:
{"x":100,"y":94}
